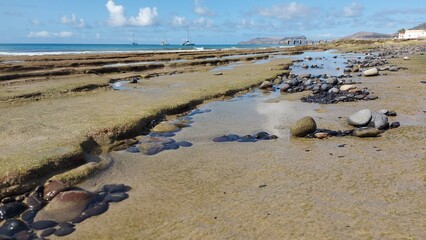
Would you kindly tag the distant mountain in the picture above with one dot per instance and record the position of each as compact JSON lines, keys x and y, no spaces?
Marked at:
{"x":420,"y":27}
{"x":272,"y":40}
{"x":368,"y":35}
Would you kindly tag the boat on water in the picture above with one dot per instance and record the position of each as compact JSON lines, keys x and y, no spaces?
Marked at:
{"x":164,"y":42}
{"x":188,"y":42}
{"x":134,"y":42}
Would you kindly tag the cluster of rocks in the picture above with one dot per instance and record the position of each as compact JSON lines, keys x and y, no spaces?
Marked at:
{"x":247,"y":138}
{"x":54,"y":209}
{"x":154,"y":143}
{"x":367,"y":123}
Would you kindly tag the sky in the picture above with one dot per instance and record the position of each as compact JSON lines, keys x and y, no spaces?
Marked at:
{"x":208,"y":21}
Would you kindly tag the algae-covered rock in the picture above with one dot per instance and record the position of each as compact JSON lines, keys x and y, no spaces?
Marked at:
{"x":303,"y":127}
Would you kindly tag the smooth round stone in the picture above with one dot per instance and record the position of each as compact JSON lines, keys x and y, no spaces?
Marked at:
{"x":165,"y":126}
{"x":7,"y":200}
{"x":97,"y":209}
{"x":360,"y":118}
{"x":112,"y":188}
{"x":182,"y":122}
{"x":347,"y":87}
{"x":379,"y":121}
{"x":394,"y":125}
{"x":367,"y":132}
{"x":13,"y":226}
{"x":303,"y":127}
{"x":66,"y":206}
{"x":184,"y":144}
{"x":116,"y":197}
{"x":321,"y":135}
{"x":220,"y":139}
{"x":391,"y":113}
{"x":155,"y":139}
{"x":43,"y":224}
{"x":262,"y":136}
{"x":48,"y":232}
{"x":232,"y":137}
{"x":383,"y":111}
{"x":63,"y":231}
{"x":247,"y":138}
{"x":11,"y":210}
{"x":334,"y":90}
{"x":35,"y":202}
{"x":53,"y":188}
{"x":151,"y":148}
{"x":372,"y":97}
{"x":172,"y":146}
{"x":28,"y":216}
{"x":406,"y":58}
{"x":371,"y":72}
{"x":266,"y":85}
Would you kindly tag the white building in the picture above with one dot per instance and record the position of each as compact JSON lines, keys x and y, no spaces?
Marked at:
{"x":412,"y":34}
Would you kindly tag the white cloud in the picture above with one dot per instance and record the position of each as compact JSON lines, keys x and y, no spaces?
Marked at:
{"x":35,"y":22}
{"x":203,"y":22}
{"x":45,"y":34}
{"x":244,"y":23}
{"x":98,"y":36}
{"x":178,"y":21}
{"x":73,"y":21}
{"x":117,"y":17}
{"x":353,"y":10}
{"x":202,"y":11}
{"x":286,"y":11}
{"x":146,"y":17}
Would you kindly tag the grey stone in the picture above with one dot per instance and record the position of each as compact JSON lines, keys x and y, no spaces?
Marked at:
{"x":371,"y":72}
{"x":360,"y":118}
{"x":367,"y":132}
{"x":379,"y":121}
{"x":303,"y":127}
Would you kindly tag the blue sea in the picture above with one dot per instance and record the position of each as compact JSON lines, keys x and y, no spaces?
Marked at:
{"x":51,"y":49}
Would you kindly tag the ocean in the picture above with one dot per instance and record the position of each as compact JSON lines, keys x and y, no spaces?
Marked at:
{"x":52,"y":49}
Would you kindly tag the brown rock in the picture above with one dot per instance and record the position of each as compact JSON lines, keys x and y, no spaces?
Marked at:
{"x":52,"y":188}
{"x":303,"y":127}
{"x":165,"y":126}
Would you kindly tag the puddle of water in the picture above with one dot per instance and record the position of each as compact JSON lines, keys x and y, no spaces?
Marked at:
{"x":11,"y":61}
{"x":227,"y":67}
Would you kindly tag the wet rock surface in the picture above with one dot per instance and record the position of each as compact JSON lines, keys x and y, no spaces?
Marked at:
{"x":58,"y":216}
{"x":246,"y":138}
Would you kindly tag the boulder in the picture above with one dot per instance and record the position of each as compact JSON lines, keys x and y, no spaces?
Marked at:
{"x":360,"y":118}
{"x":371,"y":72}
{"x":303,"y":127}
{"x":367,"y":132}
{"x":66,"y":206}
{"x":164,"y":127}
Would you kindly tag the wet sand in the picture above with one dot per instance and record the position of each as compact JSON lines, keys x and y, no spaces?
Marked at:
{"x":289,"y":188}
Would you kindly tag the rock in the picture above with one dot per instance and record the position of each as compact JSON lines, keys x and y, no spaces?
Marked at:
{"x":63,"y":231}
{"x":164,"y":127}
{"x":261,"y":136}
{"x":47,"y":232}
{"x":383,"y":111}
{"x":371,"y":72}
{"x":247,"y":138}
{"x":394,"y":125}
{"x":184,"y":144}
{"x":53,"y":188}
{"x":28,"y":216}
{"x":96,"y":210}
{"x":112,"y":188}
{"x":372,"y":97}
{"x":116,"y":197}
{"x":303,"y":127}
{"x":306,"y":75}
{"x":305,"y":66}
{"x":367,"y":132}
{"x":43,"y":224}
{"x":278,"y":81}
{"x":35,"y":202}
{"x":347,"y":87}
{"x":66,"y":206}
{"x":12,"y":227}
{"x":284,"y":87}
{"x":379,"y":121}
{"x":151,"y":148}
{"x":11,"y":210}
{"x":356,"y":68}
{"x":321,"y":135}
{"x":333,"y":90}
{"x":360,"y":118}
{"x":391,"y":113}
{"x":406,"y":58}
{"x":266,"y":85}
{"x":393,"y":68}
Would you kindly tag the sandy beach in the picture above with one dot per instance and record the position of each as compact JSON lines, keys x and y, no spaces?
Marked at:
{"x":55,"y":111}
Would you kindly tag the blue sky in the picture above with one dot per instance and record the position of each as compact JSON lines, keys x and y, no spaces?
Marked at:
{"x":209,"y":21}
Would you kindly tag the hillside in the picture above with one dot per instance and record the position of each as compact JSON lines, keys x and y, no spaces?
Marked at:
{"x":272,"y":40}
{"x":367,"y":35}
{"x":421,"y":26}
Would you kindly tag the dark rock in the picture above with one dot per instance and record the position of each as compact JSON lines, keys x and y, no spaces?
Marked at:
{"x":112,"y":188}
{"x":151,"y":148}
{"x":394,"y":125}
{"x":28,"y":216}
{"x":43,"y":224}
{"x":220,"y":139}
{"x":35,"y":201}
{"x":97,"y":209}
{"x":247,"y":138}
{"x":133,"y":150}
{"x":303,"y":126}
{"x":184,"y":144}
{"x":284,"y":87}
{"x":7,"y":200}
{"x":13,"y":226}
{"x":372,"y":97}
{"x":48,"y":232}
{"x":116,"y":197}
{"x":63,"y":231}
{"x":11,"y":210}
{"x":391,"y":113}
{"x":261,"y":135}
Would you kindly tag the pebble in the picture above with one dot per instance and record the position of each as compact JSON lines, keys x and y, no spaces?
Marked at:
{"x":112,"y":188}
{"x":116,"y":197}
{"x":28,"y":216}
{"x":48,"y":232}
{"x":97,"y":209}
{"x":367,"y":132}
{"x":379,"y":121}
{"x":184,"y":144}
{"x":53,"y":188}
{"x":43,"y":224}
{"x":12,"y":227}
{"x":63,"y":231}
{"x":371,"y":72}
{"x":165,"y":126}
{"x":394,"y":125}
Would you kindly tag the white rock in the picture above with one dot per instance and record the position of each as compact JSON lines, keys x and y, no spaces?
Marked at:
{"x":371,"y":72}
{"x":360,"y":118}
{"x":347,"y":87}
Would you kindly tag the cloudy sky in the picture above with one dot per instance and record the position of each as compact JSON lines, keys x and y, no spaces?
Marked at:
{"x":209,"y":21}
